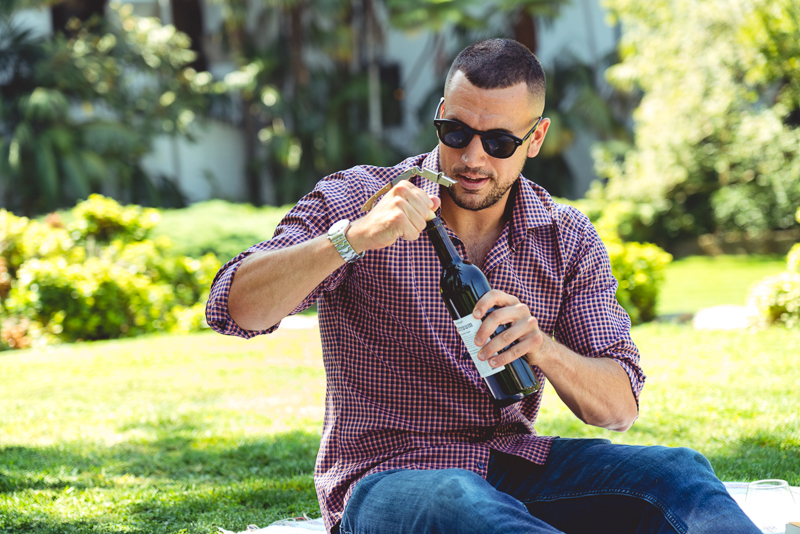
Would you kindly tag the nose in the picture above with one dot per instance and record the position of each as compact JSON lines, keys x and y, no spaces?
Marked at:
{"x":474,"y":155}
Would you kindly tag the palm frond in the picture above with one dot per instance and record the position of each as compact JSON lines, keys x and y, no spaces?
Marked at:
{"x":24,"y":136}
{"x":94,"y":165}
{"x":46,"y":170}
{"x":44,"y":105}
{"x":76,"y":175}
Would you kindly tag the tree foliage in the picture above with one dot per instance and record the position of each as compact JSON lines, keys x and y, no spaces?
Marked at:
{"x":717,"y":143}
{"x":79,"y":111}
{"x":309,"y":76}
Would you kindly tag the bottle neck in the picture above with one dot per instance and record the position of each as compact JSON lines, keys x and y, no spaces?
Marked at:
{"x":442,"y":243}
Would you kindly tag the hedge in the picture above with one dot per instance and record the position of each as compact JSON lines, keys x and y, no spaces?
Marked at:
{"x":98,"y":277}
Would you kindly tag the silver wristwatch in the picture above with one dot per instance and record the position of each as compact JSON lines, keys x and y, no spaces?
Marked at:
{"x":336,"y":234}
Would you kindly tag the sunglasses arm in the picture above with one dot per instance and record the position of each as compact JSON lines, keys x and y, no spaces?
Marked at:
{"x":435,"y":177}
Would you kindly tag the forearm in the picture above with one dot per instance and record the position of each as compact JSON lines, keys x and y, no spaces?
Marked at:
{"x":597,"y":390}
{"x":269,"y":285}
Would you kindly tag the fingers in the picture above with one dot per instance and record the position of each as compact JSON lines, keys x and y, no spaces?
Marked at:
{"x":401,"y":214}
{"x":528,"y":339}
{"x":523,"y":328}
{"x":410,"y":207}
{"x":437,"y":203}
{"x":417,"y":200}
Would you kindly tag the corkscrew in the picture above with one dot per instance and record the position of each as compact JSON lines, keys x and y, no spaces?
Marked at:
{"x":435,"y":177}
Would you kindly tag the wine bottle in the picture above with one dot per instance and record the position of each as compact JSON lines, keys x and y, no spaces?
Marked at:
{"x":461,"y":285}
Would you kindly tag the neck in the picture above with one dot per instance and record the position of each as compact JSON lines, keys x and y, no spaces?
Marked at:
{"x":474,"y":226}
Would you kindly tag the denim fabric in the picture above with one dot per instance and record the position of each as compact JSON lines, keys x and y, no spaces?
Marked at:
{"x":586,"y":486}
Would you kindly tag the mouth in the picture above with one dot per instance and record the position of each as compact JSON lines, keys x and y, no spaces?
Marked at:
{"x":472,"y":181}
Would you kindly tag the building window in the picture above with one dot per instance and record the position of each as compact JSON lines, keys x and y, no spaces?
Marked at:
{"x":392,"y":95}
{"x":187,"y":17}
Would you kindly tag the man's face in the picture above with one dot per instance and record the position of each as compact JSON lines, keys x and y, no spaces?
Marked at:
{"x":483,"y":180}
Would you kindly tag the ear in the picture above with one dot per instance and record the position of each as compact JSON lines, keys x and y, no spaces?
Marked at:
{"x":538,"y":138}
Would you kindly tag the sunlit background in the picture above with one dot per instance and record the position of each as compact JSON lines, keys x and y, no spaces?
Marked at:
{"x":144,"y":144}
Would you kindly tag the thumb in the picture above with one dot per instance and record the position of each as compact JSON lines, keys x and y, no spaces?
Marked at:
{"x":437,"y":202}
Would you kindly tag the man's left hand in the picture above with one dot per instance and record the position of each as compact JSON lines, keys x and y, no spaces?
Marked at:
{"x":523,"y":328}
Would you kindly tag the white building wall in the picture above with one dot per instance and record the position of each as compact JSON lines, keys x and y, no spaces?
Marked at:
{"x":38,"y":21}
{"x":580,"y":29}
{"x":212,"y":167}
{"x":417,"y":79}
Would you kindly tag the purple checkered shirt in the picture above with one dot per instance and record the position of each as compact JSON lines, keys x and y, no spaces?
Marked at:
{"x":402,"y":391}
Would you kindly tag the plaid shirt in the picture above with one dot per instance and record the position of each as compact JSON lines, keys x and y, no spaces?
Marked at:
{"x":402,"y":391}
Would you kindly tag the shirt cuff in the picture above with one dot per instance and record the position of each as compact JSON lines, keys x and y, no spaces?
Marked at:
{"x":217,"y":314}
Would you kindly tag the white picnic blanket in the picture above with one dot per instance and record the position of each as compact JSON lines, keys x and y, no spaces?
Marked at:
{"x":738,"y":491}
{"x":296,"y":525}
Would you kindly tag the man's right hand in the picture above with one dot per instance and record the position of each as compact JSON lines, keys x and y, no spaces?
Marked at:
{"x":401,"y":214}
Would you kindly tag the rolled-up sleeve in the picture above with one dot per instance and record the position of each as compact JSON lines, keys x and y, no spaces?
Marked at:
{"x":217,"y":314}
{"x":332,"y":199}
{"x":591,"y":321}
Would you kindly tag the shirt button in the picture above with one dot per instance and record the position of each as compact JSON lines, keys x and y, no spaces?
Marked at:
{"x":481,"y":465}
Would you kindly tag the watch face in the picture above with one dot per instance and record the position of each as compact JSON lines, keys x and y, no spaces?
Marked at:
{"x":338,"y":227}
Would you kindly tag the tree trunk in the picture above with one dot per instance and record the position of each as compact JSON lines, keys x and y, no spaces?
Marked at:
{"x":373,"y":71}
{"x":525,"y":31}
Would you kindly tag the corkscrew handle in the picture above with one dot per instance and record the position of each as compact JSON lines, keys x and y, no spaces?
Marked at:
{"x":435,"y":177}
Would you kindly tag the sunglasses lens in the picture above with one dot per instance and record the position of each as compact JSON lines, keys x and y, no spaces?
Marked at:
{"x":457,"y":135}
{"x":498,"y":146}
{"x":454,"y":135}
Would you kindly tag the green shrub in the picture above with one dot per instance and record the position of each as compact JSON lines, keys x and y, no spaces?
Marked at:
{"x":190,"y":278}
{"x":777,"y":299}
{"x":67,"y":285}
{"x":793,"y":259}
{"x":639,"y":269}
{"x":104,"y":219}
{"x":22,"y":239}
{"x":94,"y":300}
{"x":11,"y":230}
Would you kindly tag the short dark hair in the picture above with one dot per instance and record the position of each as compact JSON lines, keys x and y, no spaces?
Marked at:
{"x":498,"y":64}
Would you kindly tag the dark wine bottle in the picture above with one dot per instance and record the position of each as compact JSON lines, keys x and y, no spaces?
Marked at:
{"x":462,"y":284}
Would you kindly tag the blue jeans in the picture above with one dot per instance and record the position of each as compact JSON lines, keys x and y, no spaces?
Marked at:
{"x":586,"y":486}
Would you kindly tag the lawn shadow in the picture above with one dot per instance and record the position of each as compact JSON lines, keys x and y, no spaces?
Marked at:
{"x":178,"y":478}
{"x":176,"y":456}
{"x":761,"y":456}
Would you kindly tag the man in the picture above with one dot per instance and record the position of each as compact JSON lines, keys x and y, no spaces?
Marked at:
{"x":412,"y":441}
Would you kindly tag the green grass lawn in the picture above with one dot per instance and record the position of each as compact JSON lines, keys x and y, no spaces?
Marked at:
{"x":702,"y":281}
{"x":190,"y":433}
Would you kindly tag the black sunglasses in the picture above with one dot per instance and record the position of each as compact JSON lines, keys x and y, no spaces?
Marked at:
{"x":496,"y":143}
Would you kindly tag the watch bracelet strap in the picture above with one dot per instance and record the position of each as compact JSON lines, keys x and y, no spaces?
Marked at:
{"x":346,"y":251}
{"x":344,"y":248}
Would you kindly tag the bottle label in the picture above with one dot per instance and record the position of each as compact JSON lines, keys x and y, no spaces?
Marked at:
{"x":467,"y":328}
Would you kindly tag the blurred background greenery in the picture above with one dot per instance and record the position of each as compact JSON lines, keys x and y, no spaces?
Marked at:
{"x":145,"y":144}
{"x":689,"y":111}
